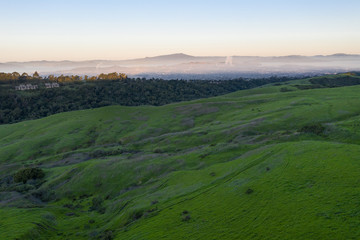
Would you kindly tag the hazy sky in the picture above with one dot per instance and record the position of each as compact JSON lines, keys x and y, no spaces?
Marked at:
{"x":109,"y":29}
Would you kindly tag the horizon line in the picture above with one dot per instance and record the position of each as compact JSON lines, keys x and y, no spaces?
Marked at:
{"x":172,"y":54}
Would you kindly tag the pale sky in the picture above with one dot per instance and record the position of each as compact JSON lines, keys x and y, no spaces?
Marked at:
{"x":123,"y":29}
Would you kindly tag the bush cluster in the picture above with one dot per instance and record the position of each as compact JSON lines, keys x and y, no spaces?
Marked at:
{"x":26,"y":174}
{"x":317,"y":129}
{"x":97,"y":205}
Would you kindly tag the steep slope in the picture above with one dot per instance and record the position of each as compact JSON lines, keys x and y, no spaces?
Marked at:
{"x":239,"y":166}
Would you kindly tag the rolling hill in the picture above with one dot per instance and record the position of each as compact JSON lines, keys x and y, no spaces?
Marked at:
{"x":255,"y":164}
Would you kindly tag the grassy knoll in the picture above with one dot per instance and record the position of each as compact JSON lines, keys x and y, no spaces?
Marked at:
{"x":265,"y":163}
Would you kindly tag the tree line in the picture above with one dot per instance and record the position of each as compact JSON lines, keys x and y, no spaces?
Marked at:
{"x":16,"y":77}
{"x":341,"y":80}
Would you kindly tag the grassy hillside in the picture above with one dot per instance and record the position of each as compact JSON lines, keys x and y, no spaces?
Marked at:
{"x":265,"y":163}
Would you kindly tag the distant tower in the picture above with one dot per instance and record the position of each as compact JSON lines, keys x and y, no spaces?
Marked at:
{"x":229,"y":61}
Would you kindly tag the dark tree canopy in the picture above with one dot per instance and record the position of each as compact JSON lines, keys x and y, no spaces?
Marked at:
{"x":28,"y":173}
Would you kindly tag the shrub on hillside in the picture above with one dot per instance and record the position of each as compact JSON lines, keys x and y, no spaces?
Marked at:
{"x":158,"y":150}
{"x":137,"y":214}
{"x":26,"y":174}
{"x":317,"y":129}
{"x":185,"y":216}
{"x":249,"y":191}
{"x":107,"y":235}
{"x":97,"y":205}
{"x":285,"y":89}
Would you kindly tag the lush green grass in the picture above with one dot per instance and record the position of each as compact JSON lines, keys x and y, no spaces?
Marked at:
{"x":304,"y":195}
{"x":230,"y":167}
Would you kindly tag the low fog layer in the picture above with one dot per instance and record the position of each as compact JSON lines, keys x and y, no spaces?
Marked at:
{"x":181,"y":65}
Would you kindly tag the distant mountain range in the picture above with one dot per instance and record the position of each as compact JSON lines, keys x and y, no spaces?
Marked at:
{"x":181,"y":65}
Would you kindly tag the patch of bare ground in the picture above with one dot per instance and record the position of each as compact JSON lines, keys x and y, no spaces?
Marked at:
{"x":19,"y":200}
{"x":188,"y":122}
{"x":139,"y":116}
{"x":243,"y":127}
{"x":140,"y":157}
{"x":159,"y":137}
{"x":69,"y":160}
{"x":9,"y":197}
{"x":197,"y":109}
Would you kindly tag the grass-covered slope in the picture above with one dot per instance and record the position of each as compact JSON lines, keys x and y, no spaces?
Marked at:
{"x":256,"y":164}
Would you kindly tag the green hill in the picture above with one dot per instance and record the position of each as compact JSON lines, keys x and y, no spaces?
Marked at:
{"x":266,"y":163}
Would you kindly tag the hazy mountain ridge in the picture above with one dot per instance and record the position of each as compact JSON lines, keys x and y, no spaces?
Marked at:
{"x":180,"y":63}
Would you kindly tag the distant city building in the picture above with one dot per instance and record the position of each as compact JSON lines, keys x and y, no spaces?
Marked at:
{"x":52,"y":85}
{"x":23,"y":87}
